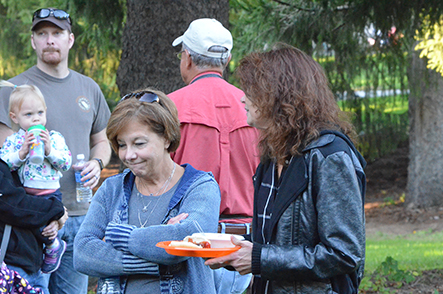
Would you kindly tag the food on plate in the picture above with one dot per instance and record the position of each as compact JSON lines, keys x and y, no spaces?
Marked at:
{"x":219,"y":240}
{"x":192,"y":242}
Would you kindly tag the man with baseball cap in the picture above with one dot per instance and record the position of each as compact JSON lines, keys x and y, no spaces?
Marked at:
{"x":207,"y":37}
{"x":215,"y":134}
{"x":76,"y":108}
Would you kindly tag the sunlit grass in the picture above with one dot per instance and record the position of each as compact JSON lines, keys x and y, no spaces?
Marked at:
{"x":386,"y":104}
{"x":419,"y":251}
{"x":397,"y":109}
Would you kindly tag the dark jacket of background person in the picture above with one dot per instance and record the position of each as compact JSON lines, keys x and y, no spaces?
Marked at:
{"x":26,"y":214}
{"x":299,"y":258}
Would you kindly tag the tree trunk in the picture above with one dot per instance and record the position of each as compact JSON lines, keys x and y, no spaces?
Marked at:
{"x":425,"y":172}
{"x":148,"y":58}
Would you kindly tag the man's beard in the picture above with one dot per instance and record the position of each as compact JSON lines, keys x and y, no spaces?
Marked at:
{"x":53,"y":59}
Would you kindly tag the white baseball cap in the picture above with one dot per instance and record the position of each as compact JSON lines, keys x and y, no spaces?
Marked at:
{"x":204,"y":33}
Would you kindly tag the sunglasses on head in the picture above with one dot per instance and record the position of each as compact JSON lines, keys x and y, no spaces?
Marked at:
{"x":143,"y":96}
{"x":56,"y":13}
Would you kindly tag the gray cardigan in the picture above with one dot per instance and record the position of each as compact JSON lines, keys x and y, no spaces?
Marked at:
{"x":132,"y":250}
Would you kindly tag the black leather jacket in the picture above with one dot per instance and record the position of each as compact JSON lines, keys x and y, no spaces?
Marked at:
{"x":318,"y":236}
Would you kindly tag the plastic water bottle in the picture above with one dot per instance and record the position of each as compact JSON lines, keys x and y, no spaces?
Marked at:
{"x":84,"y":193}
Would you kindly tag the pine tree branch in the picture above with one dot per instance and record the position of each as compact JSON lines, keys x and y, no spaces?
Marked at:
{"x":338,"y":27}
{"x":287,"y":4}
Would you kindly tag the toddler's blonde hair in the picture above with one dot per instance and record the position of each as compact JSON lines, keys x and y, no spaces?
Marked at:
{"x":19,"y":95}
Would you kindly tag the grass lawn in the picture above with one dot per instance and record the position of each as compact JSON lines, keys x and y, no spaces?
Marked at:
{"x":395,"y":260}
{"x":420,"y":251}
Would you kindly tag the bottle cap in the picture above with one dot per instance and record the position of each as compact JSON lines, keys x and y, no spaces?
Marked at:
{"x":37,"y":127}
{"x":80,"y":156}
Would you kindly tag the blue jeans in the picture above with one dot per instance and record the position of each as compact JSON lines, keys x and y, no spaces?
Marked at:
{"x":230,"y":282}
{"x":35,"y":280}
{"x":66,"y":280}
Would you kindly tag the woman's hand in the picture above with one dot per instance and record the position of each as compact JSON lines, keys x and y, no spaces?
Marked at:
{"x":176,"y":219}
{"x":241,"y":259}
{"x":61,"y":221}
{"x":51,"y":230}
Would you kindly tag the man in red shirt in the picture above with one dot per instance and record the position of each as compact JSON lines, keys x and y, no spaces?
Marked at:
{"x":215,"y":134}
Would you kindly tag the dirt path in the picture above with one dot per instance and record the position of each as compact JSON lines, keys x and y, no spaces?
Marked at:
{"x":397,"y":220}
{"x":386,"y":183}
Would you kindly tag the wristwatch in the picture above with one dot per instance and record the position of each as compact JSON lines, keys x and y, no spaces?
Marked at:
{"x":100,"y":162}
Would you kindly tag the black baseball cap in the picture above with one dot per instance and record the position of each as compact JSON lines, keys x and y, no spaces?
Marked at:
{"x":58,"y":17}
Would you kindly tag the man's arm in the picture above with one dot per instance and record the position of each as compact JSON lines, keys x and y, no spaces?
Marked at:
{"x":5,"y":132}
{"x":100,"y":148}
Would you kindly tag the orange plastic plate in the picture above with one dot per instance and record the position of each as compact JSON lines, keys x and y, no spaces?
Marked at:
{"x":196,"y":252}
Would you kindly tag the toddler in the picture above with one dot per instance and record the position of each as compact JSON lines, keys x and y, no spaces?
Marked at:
{"x":27,"y":108}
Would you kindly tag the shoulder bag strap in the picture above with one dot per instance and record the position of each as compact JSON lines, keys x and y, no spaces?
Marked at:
{"x":5,"y":241}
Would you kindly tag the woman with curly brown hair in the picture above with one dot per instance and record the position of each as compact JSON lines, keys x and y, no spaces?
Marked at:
{"x":308,"y":231}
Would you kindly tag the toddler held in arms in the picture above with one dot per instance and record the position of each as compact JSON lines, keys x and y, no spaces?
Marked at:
{"x":39,"y":173}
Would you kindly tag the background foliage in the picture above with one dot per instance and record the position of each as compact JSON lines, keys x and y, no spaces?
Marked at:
{"x":364,"y":75}
{"x":363,"y":45}
{"x":431,"y":45}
